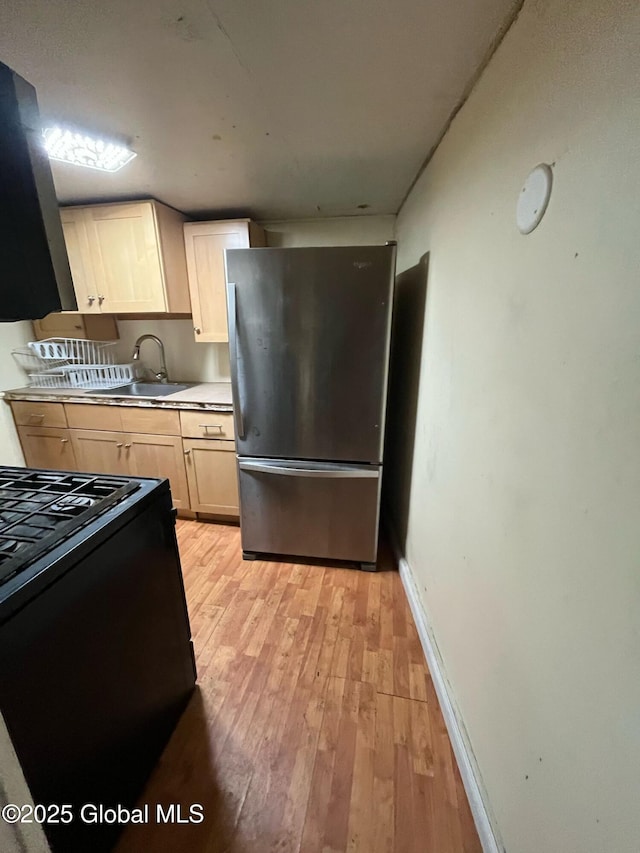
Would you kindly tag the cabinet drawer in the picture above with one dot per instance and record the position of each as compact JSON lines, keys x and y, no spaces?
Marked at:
{"x":153,"y":421}
{"x":88,"y":416}
{"x":123,"y":418}
{"x":207,"y":425}
{"x":39,"y":414}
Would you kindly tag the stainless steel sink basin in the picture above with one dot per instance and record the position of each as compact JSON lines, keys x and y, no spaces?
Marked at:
{"x":146,"y":389}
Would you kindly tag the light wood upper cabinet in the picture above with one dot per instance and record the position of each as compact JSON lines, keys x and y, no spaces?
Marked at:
{"x":44,"y":447}
{"x":125,"y":253}
{"x":205,"y":243}
{"x":80,"y":258}
{"x":134,"y":253}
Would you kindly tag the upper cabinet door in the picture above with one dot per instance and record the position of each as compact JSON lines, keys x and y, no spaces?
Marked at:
{"x":126,"y":258}
{"x":77,"y":242}
{"x":205,"y":243}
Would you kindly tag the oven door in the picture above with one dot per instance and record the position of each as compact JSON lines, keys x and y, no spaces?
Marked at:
{"x":309,"y":509}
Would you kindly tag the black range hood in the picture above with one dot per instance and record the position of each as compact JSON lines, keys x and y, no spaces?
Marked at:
{"x":35,"y":278}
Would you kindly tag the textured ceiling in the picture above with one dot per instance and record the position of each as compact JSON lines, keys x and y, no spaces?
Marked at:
{"x":274,"y":108}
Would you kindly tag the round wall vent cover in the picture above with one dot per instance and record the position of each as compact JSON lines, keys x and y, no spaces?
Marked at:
{"x":534,"y":198}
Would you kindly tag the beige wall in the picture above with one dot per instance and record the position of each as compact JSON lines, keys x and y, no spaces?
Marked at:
{"x":186,"y":359}
{"x":335,"y":231}
{"x":12,"y":335}
{"x":192,"y":361}
{"x":524,"y":527}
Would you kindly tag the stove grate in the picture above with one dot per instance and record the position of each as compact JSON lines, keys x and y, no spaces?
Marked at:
{"x":40,"y":509}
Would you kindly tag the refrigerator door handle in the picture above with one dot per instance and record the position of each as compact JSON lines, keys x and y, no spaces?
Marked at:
{"x":232,"y":311}
{"x":325,"y":474}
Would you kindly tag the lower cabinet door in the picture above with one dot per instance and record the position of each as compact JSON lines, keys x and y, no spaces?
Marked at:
{"x":44,"y":447}
{"x":212,"y":475}
{"x":160,"y":456}
{"x":101,"y":451}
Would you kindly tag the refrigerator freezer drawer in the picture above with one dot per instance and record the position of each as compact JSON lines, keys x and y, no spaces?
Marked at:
{"x":310,"y":509}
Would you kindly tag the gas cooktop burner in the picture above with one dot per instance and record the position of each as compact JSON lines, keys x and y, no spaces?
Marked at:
{"x":72,"y":504}
{"x":39,"y":509}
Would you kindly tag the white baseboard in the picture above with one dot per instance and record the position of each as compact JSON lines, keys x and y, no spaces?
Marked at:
{"x":459,"y":741}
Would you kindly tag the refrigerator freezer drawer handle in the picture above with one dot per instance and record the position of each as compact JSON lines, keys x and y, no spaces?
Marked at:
{"x":233,"y":356}
{"x":309,"y":472}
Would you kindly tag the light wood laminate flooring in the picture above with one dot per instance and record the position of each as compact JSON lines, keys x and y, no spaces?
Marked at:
{"x":315,"y":726}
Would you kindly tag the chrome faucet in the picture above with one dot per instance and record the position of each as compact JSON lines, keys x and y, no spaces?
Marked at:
{"x":161,"y":375}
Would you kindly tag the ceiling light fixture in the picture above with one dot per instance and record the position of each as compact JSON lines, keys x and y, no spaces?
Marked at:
{"x":69,"y":146}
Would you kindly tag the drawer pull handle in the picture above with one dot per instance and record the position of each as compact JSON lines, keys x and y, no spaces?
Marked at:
{"x":34,"y":415}
{"x":211,"y":426}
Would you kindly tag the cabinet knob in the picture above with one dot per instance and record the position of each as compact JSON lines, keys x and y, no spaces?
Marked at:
{"x":100,"y":299}
{"x":64,"y":441}
{"x":187,"y":452}
{"x":119,"y":444}
{"x":91,"y":299}
{"x":127,"y":446}
{"x":197,"y":329}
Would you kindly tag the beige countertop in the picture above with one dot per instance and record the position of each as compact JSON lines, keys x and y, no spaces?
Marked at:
{"x":215,"y":396}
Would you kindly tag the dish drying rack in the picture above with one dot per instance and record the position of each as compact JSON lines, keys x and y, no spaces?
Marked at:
{"x":73,"y":363}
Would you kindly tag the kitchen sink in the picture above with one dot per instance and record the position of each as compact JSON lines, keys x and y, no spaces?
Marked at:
{"x":146,"y":389}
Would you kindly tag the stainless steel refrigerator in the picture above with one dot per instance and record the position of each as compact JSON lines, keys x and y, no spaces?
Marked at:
{"x":309,"y":334}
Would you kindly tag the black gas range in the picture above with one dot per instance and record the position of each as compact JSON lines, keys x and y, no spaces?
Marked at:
{"x":96,"y":660}
{"x":40,"y":508}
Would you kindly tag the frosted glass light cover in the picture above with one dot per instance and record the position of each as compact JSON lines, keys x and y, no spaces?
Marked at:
{"x":69,"y":146}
